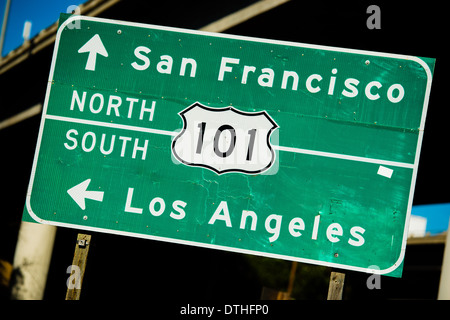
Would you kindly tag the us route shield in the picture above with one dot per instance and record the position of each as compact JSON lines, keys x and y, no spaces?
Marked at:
{"x":225,"y":139}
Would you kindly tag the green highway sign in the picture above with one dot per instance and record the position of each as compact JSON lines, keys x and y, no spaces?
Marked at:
{"x":286,"y":150}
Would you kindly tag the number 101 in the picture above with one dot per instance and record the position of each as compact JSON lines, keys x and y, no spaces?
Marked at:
{"x":231,"y":145}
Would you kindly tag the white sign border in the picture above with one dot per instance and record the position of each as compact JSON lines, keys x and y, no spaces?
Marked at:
{"x":422,"y":63}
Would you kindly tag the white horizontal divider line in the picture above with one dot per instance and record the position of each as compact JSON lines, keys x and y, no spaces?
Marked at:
{"x":112,"y":125}
{"x":280,"y":148}
{"x":346,"y":157}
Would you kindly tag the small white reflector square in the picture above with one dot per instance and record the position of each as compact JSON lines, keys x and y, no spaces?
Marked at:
{"x":385,"y":172}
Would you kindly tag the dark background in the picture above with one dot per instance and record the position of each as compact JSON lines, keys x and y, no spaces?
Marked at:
{"x":123,"y":268}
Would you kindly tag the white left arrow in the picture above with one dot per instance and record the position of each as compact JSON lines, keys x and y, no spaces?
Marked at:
{"x":79,"y":194}
{"x":93,"y":46}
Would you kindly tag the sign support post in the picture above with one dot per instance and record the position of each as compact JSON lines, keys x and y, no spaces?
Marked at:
{"x":78,"y":267}
{"x":336,"y":286}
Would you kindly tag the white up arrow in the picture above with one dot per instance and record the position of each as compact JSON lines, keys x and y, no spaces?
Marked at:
{"x":93,"y":46}
{"x":79,"y":194}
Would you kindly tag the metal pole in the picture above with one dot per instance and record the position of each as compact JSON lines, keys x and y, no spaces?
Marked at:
{"x":444,"y":285}
{"x":32,"y":261}
{"x":3,"y":31}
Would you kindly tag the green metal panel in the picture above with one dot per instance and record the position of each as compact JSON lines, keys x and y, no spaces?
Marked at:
{"x":326,"y":177}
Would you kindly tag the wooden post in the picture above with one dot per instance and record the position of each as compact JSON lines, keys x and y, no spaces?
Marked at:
{"x":78,"y":266}
{"x":271,"y":294}
{"x":291,"y":279}
{"x":336,"y":286}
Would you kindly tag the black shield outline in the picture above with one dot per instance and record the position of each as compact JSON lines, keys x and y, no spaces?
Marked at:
{"x":219,"y":172}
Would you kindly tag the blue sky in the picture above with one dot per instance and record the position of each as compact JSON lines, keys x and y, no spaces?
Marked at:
{"x":41,"y":13}
{"x":437,"y":215}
